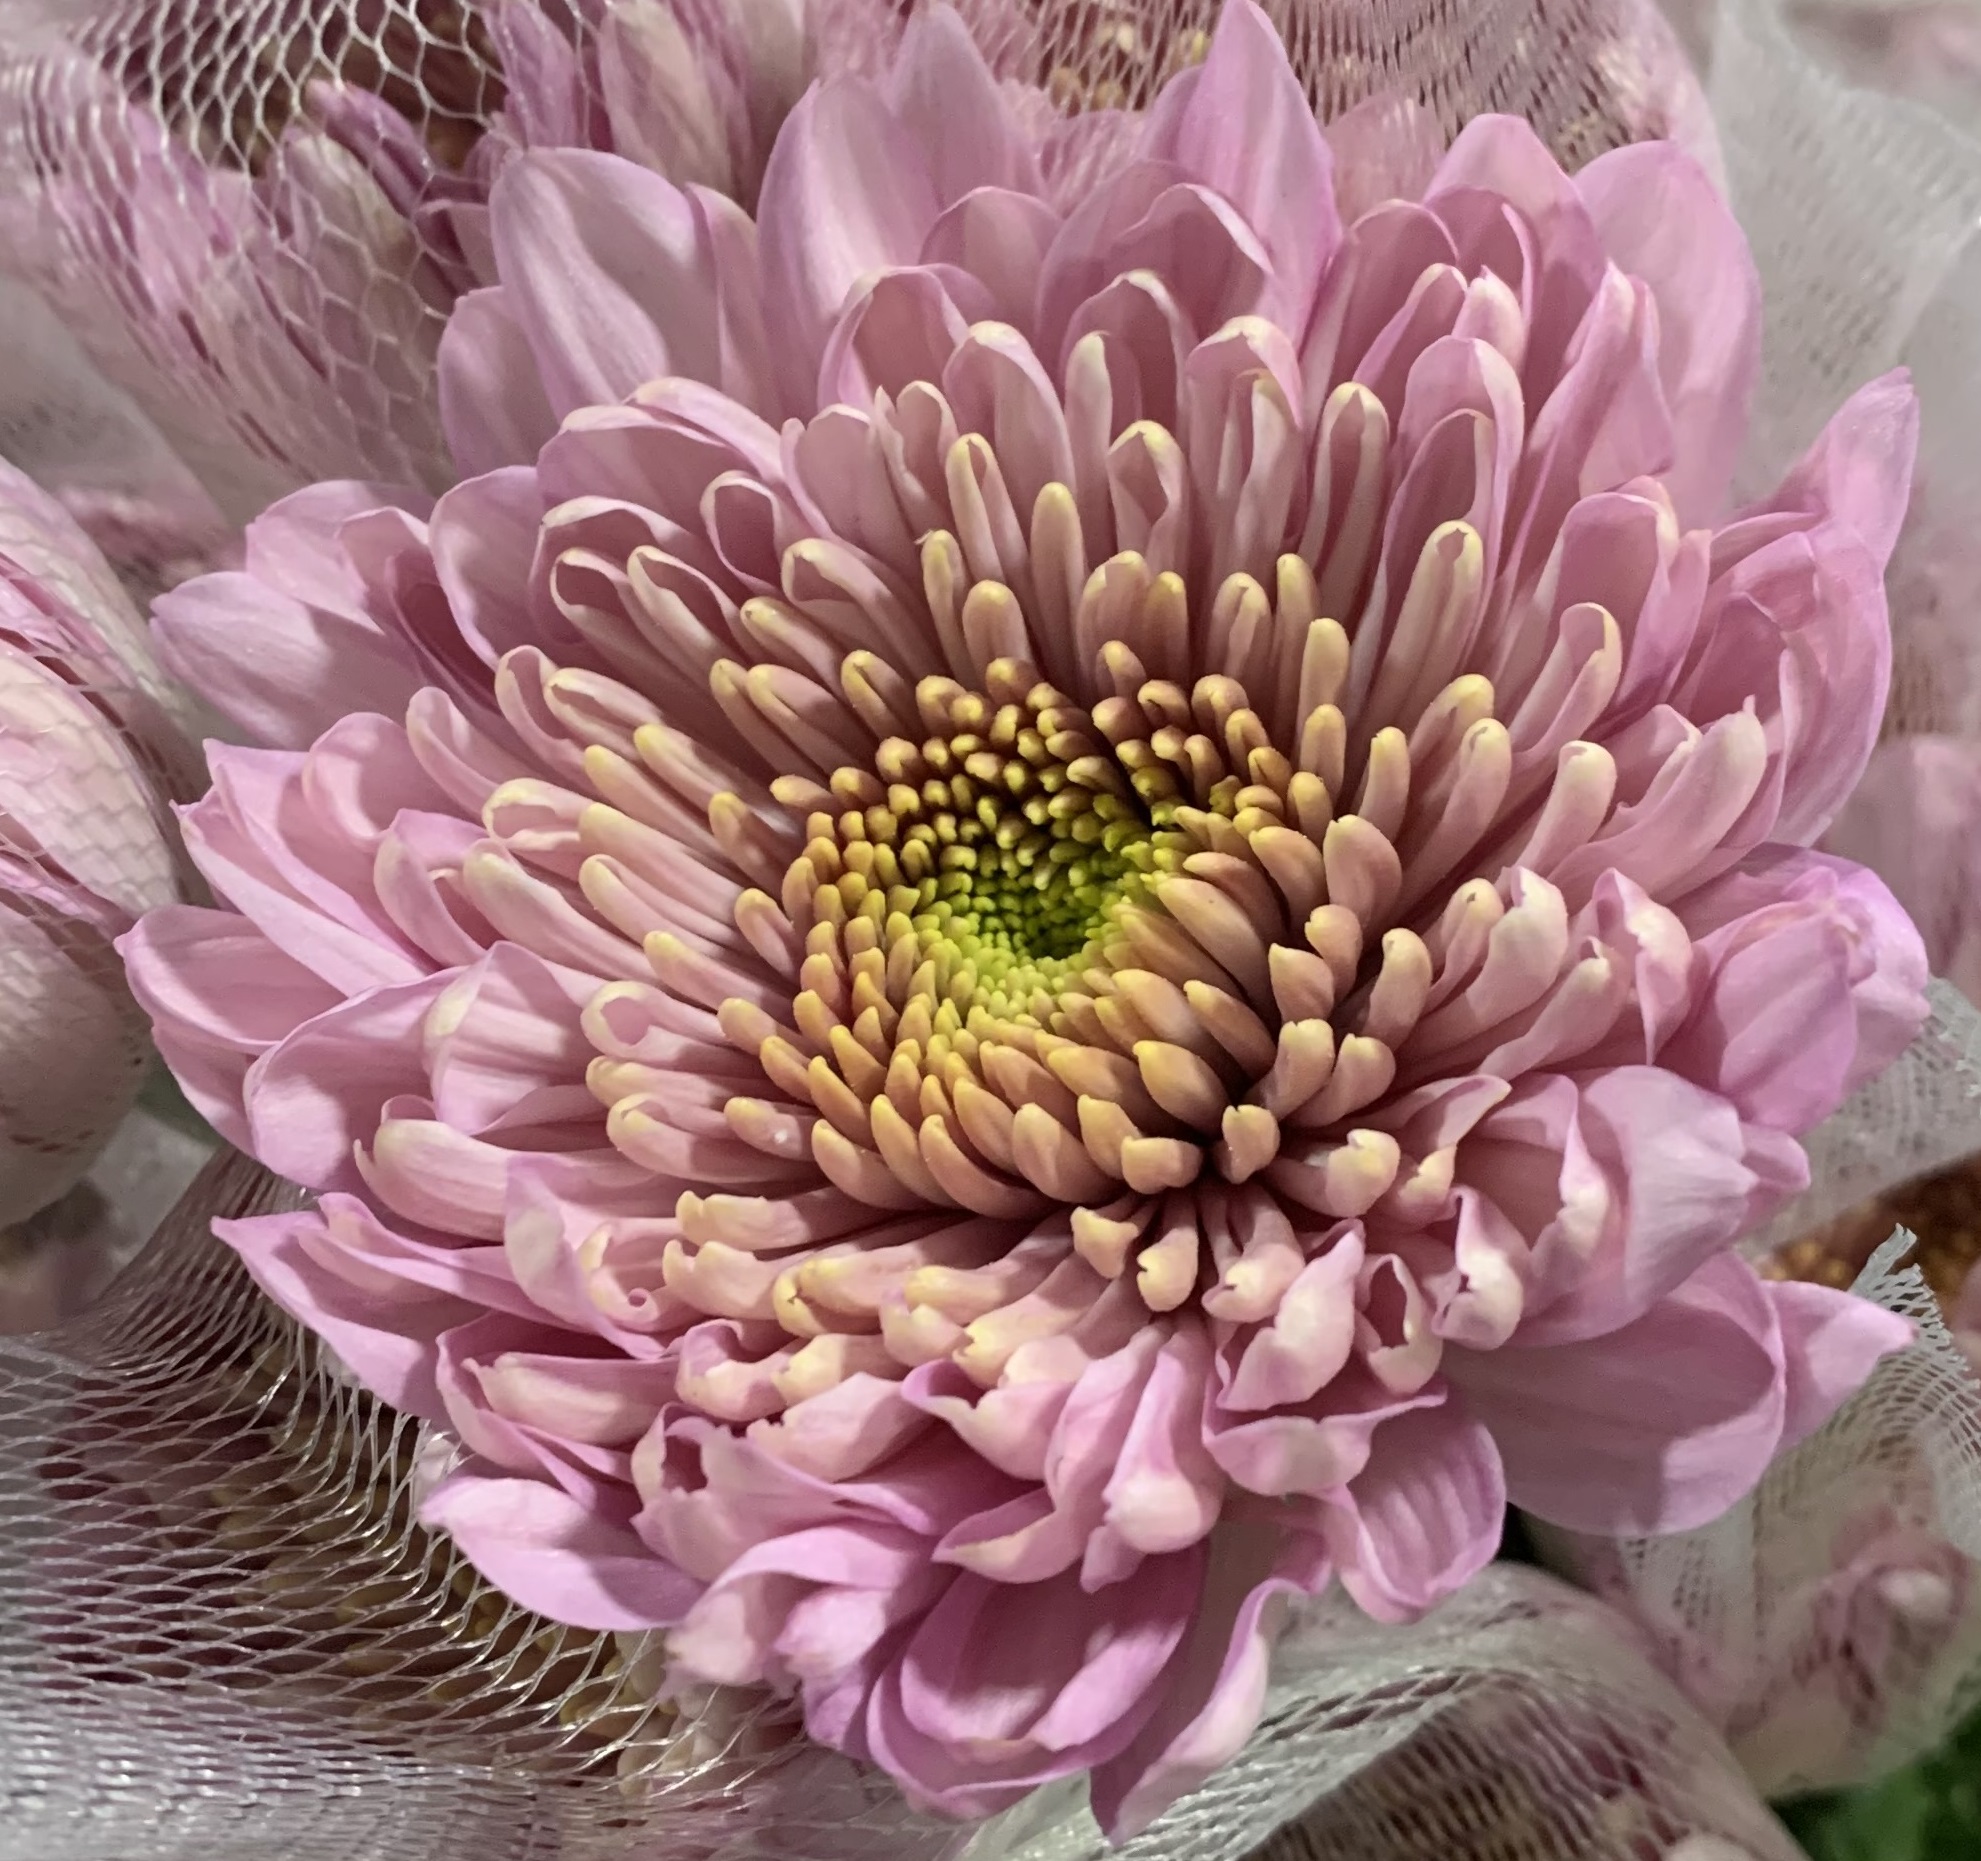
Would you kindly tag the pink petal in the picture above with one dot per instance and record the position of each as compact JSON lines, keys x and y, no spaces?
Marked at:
{"x":738,"y":1630}
{"x":312,"y":920}
{"x":1663,"y":1168}
{"x":1005,"y":1686}
{"x":618,"y":276}
{"x":323,"y":1089}
{"x":548,"y":1552}
{"x":1010,"y":1427}
{"x":1423,"y":1518}
{"x":1214,"y":1689}
{"x":1775,"y":1030}
{"x":1242,"y":125}
{"x":283,"y":670}
{"x":844,"y":1432}
{"x":492,"y":405}
{"x":1831,"y":1342}
{"x":1000,"y":238}
{"x":1798,"y":584}
{"x":1166,"y":1491}
{"x":388,"y":1342}
{"x":1386,"y":148}
{"x":1915,"y":820}
{"x":845,"y":194}
{"x":1661,"y":220}
{"x":1501,"y":155}
{"x":484,"y":540}
{"x":1304,"y":1346}
{"x":1654,"y":1428}
{"x":945,"y":99}
{"x":1859,"y":471}
{"x":212,"y":974}
{"x":294,"y":546}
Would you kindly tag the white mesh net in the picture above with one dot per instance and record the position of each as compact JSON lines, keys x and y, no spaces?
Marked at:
{"x":1517,"y":1722}
{"x":224,"y":1637}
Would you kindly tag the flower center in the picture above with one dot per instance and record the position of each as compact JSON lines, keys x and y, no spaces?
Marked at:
{"x":1002,"y":842}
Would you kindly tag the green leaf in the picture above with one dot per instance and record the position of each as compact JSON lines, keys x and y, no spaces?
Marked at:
{"x":1930,"y":1811}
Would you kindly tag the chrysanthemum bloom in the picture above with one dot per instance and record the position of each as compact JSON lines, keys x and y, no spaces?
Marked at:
{"x":1049,"y":918}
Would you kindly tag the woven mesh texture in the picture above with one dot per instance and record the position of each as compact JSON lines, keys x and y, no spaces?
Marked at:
{"x":1916,"y":1117}
{"x":1517,"y":1723}
{"x":92,"y":745}
{"x":1865,"y":214}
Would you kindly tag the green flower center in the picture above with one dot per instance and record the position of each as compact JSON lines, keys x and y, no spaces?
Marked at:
{"x":1005,"y":840}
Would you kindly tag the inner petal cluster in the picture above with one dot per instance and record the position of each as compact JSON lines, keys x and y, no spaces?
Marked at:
{"x":1033,"y":952}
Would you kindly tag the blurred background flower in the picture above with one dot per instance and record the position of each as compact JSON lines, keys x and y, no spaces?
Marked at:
{"x":93,"y":741}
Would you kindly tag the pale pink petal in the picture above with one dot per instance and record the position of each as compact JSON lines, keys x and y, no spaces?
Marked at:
{"x":320,"y":1091}
{"x":390,"y":1347}
{"x":1243,"y":126}
{"x":1655,"y":1181}
{"x":962,"y":128}
{"x":991,"y":1666}
{"x":1858,"y":473}
{"x":281,"y":669}
{"x":844,"y":195}
{"x":1831,"y":1342}
{"x":1915,"y":820}
{"x":1656,"y":1427}
{"x":619,"y":277}
{"x":493,"y":408}
{"x":557,"y":1556}
{"x":1386,"y":148}
{"x":1215,"y":1688}
{"x":1423,"y":1518}
{"x":1662,"y":220}
{"x":1885,"y":967}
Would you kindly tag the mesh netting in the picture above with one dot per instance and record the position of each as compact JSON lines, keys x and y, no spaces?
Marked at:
{"x":1517,"y":1723}
{"x":93,"y":743}
{"x":1916,"y":1117}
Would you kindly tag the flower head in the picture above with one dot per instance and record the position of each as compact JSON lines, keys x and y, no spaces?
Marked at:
{"x":1045,"y":921}
{"x":88,"y":745}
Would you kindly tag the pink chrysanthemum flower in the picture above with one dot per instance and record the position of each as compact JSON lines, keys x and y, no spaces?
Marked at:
{"x":1049,"y":918}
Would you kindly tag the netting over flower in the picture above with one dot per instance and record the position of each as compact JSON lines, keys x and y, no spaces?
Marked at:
{"x":90,"y":745}
{"x":1149,"y":957}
